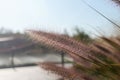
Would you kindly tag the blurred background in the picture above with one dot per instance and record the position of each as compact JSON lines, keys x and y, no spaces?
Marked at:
{"x":84,"y":20}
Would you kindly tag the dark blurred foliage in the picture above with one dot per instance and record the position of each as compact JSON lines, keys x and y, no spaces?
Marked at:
{"x":82,"y":36}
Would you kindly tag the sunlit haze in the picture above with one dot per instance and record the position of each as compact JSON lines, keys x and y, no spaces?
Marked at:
{"x":57,"y":15}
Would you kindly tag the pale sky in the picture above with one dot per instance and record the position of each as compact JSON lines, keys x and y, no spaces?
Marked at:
{"x":57,"y":15}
